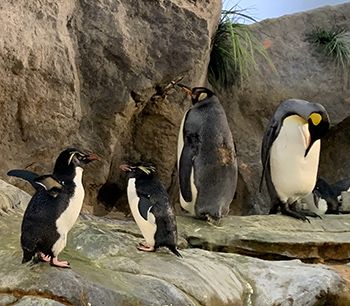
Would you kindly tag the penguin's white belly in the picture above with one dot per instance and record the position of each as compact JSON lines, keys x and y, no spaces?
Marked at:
{"x":180,"y":141}
{"x":319,"y":208}
{"x":293,"y":175}
{"x":147,"y":227}
{"x":189,"y":206}
{"x":68,"y":218}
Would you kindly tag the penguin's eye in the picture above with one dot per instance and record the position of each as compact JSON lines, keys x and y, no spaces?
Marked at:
{"x":80,"y":157}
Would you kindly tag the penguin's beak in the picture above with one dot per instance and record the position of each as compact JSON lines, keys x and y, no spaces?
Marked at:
{"x":125,"y":167}
{"x":309,"y":147}
{"x":91,"y":157}
{"x":186,"y":88}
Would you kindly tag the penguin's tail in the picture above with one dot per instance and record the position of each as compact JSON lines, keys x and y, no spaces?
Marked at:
{"x":27,"y":256}
{"x":175,"y":251}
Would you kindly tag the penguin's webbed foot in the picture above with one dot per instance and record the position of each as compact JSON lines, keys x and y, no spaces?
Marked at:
{"x":295,"y":214}
{"x":43,"y":257}
{"x":215,"y":222}
{"x":145,"y":247}
{"x":60,"y":264}
{"x":311,"y":214}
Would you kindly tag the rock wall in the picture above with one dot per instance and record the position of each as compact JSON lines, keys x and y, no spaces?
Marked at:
{"x":91,"y":74}
{"x":303,"y":72}
{"x":95,"y":75}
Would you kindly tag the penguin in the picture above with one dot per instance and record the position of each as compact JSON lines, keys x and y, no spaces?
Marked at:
{"x":206,"y":155}
{"x":54,"y":208}
{"x":315,"y":203}
{"x":151,"y":208}
{"x":290,"y":154}
{"x":332,"y":193}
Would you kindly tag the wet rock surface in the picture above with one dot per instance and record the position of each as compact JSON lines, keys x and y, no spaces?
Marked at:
{"x":107,"y":269}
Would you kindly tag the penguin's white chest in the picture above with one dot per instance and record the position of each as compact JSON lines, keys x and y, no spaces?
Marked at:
{"x":147,"y":227}
{"x":293,"y":175}
{"x":67,"y":219}
{"x":189,"y":206}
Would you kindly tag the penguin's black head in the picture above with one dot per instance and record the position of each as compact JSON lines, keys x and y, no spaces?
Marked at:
{"x":314,"y":114}
{"x":71,"y":158}
{"x":138,"y":170}
{"x":197,"y":94}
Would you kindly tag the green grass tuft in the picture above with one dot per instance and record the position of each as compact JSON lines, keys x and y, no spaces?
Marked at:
{"x":232,"y":56}
{"x":335,"y":43}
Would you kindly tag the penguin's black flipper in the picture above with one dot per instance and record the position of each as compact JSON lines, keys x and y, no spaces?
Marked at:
{"x":144,"y":206}
{"x":189,"y":152}
{"x":25,"y":175}
{"x":269,"y":137}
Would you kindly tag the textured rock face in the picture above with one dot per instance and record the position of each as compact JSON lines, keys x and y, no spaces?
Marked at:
{"x":72,"y":74}
{"x":303,"y":73}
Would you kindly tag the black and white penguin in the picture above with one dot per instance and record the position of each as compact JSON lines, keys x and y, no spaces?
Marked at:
{"x":54,"y":208}
{"x":315,"y":203}
{"x":151,"y":208}
{"x":206,"y":157}
{"x":290,"y":154}
{"x":331,"y":194}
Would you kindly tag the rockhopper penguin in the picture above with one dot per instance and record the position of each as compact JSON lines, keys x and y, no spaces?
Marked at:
{"x":290,"y":154}
{"x":206,"y":157}
{"x":54,"y":208}
{"x":151,"y":208}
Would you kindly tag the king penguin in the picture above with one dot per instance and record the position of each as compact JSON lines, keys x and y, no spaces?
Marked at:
{"x":54,"y":208}
{"x":206,"y":157}
{"x":290,"y":154}
{"x":151,"y":208}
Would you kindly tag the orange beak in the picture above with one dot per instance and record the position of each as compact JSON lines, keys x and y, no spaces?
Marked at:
{"x":186,"y":88}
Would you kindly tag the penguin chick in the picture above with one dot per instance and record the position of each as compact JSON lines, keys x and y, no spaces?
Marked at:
{"x":54,"y":208}
{"x":290,"y":154}
{"x":151,"y":208}
{"x":206,"y":157}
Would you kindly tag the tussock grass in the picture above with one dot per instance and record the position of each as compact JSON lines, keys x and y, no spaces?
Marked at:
{"x":233,"y":53}
{"x":336,"y":44}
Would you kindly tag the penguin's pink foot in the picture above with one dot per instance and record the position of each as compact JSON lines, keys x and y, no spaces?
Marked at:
{"x":144,"y":244}
{"x":146,"y":248}
{"x":60,"y":264}
{"x":43,"y":257}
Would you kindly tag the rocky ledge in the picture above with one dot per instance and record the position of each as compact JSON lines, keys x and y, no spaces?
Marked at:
{"x":219,"y":264}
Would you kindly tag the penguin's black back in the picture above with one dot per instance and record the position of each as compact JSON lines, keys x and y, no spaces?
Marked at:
{"x":215,"y":176}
